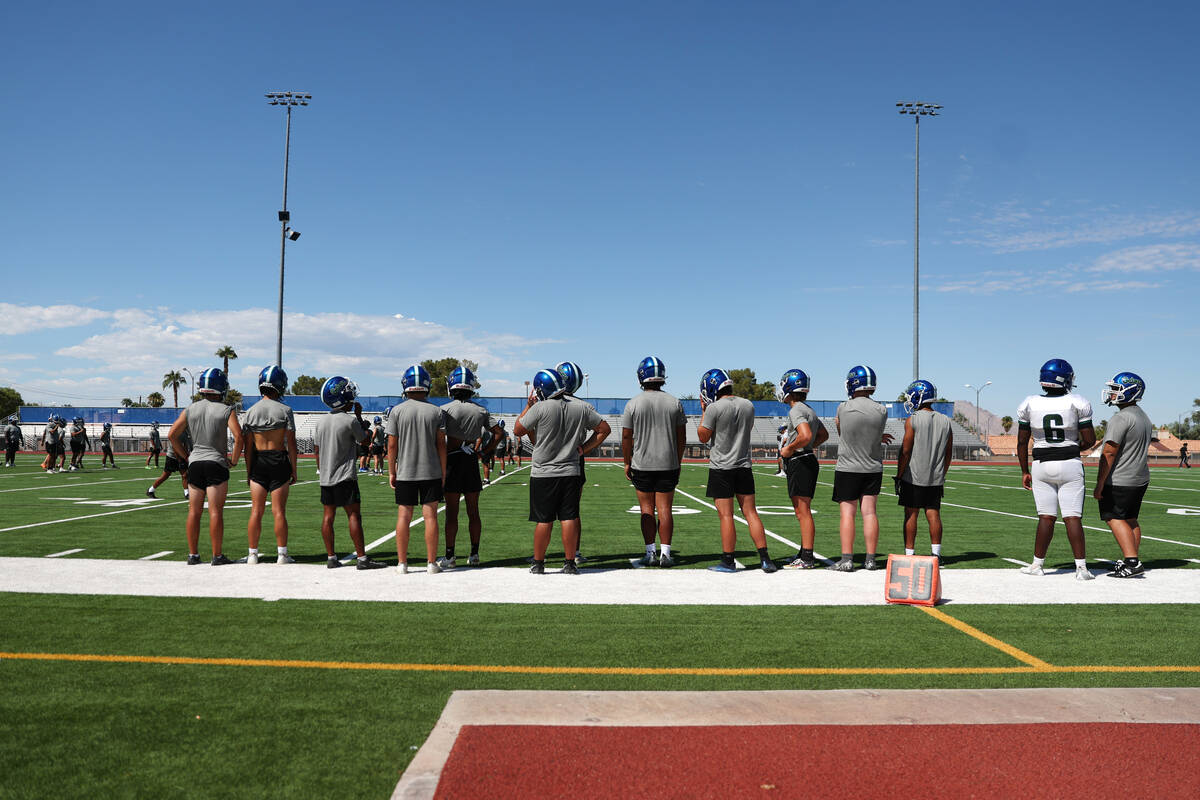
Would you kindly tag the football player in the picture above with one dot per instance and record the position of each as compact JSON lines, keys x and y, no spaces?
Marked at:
{"x":858,"y":476}
{"x":1059,"y":424}
{"x":466,"y":424}
{"x":50,"y":437}
{"x":725,"y":424}
{"x":106,"y":451}
{"x":62,"y":443}
{"x":207,"y":421}
{"x":653,"y":435}
{"x":1123,"y":474}
{"x":417,"y":463}
{"x":925,"y":453}
{"x":803,"y":433}
{"x":12,"y":441}
{"x":174,"y":462}
{"x":378,"y":444}
{"x":572,"y":375}
{"x":79,"y":443}
{"x":271,"y":456}
{"x":779,"y":439}
{"x":155,"y":444}
{"x":557,"y":426}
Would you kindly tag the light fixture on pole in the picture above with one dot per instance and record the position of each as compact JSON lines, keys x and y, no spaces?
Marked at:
{"x":193,"y":377}
{"x":587,"y":392}
{"x":977,"y":391}
{"x":286,"y":99}
{"x":917,"y":110}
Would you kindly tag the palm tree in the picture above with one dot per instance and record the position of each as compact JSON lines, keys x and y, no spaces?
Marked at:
{"x":174,"y":380}
{"x":226,"y":353}
{"x":125,"y":401}
{"x":155,"y":400}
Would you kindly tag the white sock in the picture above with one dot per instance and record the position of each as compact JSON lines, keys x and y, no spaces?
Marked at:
{"x":1037,"y":562}
{"x":253,"y":551}
{"x":908,"y":551}
{"x":1081,"y":563}
{"x":649,"y":549}
{"x":282,"y":550}
{"x":937,"y":549}
{"x":666,"y":550}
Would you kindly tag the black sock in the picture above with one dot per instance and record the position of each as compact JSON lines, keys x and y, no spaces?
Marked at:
{"x":806,"y":554}
{"x":540,"y":562}
{"x":449,"y":552}
{"x":474,"y":549}
{"x":1131,"y":562}
{"x":762,"y":554}
{"x":727,"y":559}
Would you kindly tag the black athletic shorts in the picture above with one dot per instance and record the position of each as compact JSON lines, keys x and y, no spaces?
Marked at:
{"x":729,"y":482}
{"x":802,"y":475}
{"x":377,"y":449}
{"x":363,"y":450}
{"x":203,"y":474}
{"x":653,"y":480}
{"x":105,"y":450}
{"x":418,"y":493}
{"x":849,"y":487}
{"x":172,"y":464}
{"x":1121,"y":502}
{"x":554,"y":498}
{"x":341,"y":494}
{"x":62,"y":448}
{"x":76,"y":449}
{"x":462,"y":473}
{"x":272,"y":469}
{"x":155,"y":450}
{"x":913,"y":496}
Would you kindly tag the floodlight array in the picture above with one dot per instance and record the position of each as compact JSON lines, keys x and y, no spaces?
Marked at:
{"x":288,"y":98}
{"x":919,"y":109}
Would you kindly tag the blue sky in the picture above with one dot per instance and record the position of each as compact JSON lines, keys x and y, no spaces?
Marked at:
{"x":717,"y":184}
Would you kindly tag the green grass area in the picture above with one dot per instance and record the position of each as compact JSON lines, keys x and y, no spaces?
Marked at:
{"x":988,"y":518}
{"x":136,"y":730}
{"x":133,"y":729}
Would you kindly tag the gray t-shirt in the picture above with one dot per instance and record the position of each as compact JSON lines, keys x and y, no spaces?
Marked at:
{"x":208,"y":423}
{"x":379,"y":436}
{"x":654,"y":416}
{"x":861,"y":421}
{"x":156,"y":437}
{"x":730,"y":419}
{"x":336,"y":437}
{"x":466,"y":421}
{"x":559,"y":426}
{"x":798,"y":414}
{"x":52,"y":434}
{"x":415,"y":424}
{"x":1130,"y":430}
{"x":269,"y":415}
{"x":12,"y":434}
{"x":931,"y":432}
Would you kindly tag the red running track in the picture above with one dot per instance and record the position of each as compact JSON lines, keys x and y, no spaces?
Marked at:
{"x":1044,"y":760}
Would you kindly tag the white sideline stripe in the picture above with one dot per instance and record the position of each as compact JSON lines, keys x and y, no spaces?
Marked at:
{"x":122,"y":511}
{"x":421,"y":520}
{"x":1193,"y":560}
{"x":72,"y":485}
{"x":156,"y":555}
{"x":66,"y":552}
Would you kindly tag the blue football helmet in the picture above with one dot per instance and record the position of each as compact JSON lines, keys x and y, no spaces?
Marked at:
{"x":501,"y":423}
{"x":154,"y":424}
{"x":338,"y":392}
{"x":794,"y":380}
{"x":1125,"y":387}
{"x":918,"y":393}
{"x":378,"y":420}
{"x":212,"y":381}
{"x":462,"y":378}
{"x":387,"y":412}
{"x":572,"y":375}
{"x":713,"y":382}
{"x":548,"y":383}
{"x":652,"y":370}
{"x":1057,"y":374}
{"x":416,"y":379}
{"x":108,"y":426}
{"x":273,"y":377}
{"x":860,"y":378}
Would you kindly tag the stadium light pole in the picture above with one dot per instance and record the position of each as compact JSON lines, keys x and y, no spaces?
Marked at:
{"x":587,"y":391}
{"x":916,"y":111}
{"x":193,"y":377}
{"x":978,"y":389}
{"x":287,"y":100}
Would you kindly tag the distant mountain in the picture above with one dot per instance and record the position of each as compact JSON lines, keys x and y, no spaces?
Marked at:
{"x":989,"y":423}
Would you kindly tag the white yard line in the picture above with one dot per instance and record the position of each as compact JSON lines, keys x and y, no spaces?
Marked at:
{"x":76,"y":485}
{"x":66,"y":552}
{"x":775,"y":536}
{"x":156,"y":555}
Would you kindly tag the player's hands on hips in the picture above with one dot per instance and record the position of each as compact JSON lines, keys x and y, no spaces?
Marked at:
{"x":1027,"y":481}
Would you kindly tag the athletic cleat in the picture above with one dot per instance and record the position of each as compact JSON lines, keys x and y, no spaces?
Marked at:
{"x":193,"y":561}
{"x":537,"y":569}
{"x":666,"y":561}
{"x":367,"y":563}
{"x":870,"y":564}
{"x":767,"y":566}
{"x":842,"y":565}
{"x":251,"y":558}
{"x":1082,"y":574}
{"x":147,"y":466}
{"x":580,"y":558}
{"x":722,"y":567}
{"x":1124,"y":570}
{"x":150,"y":493}
{"x":448,"y":563}
{"x":800,"y":563}
{"x":473,"y":560}
{"x":780,"y":474}
{"x":402,"y":568}
{"x":220,"y":560}
{"x":332,"y":562}
{"x":284,"y":558}
{"x":648,"y":560}
{"x":570,"y":568}
{"x":1032,"y":569}
{"x":432,"y":568}
{"x":186,"y":494}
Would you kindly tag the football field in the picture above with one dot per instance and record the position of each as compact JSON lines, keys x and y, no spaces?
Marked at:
{"x":112,"y":691}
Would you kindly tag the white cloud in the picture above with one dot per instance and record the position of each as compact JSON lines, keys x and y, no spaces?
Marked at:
{"x":16,"y":319}
{"x":1153,"y":258}
{"x":1012,"y":229}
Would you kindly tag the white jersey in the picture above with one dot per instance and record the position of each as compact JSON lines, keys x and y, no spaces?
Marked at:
{"x":1054,"y":422}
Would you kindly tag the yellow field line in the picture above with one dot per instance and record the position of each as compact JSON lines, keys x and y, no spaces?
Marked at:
{"x":975,"y":633}
{"x":517,"y":669}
